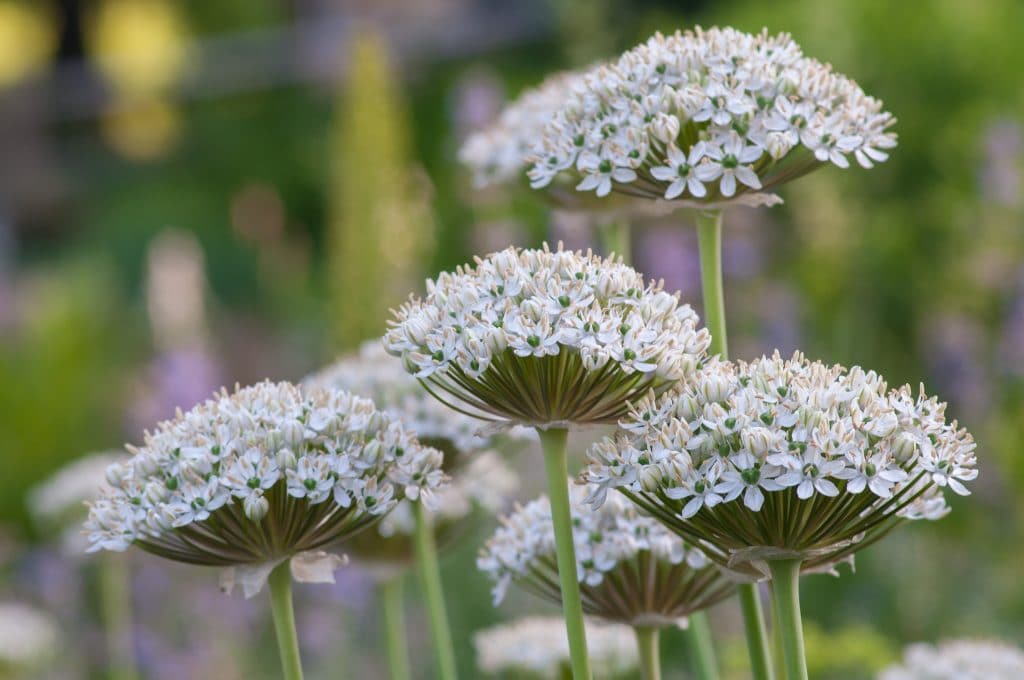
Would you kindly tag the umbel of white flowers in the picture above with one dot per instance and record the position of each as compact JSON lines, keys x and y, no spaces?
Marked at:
{"x":704,"y":117}
{"x":536,"y":646}
{"x":260,"y":475}
{"x":959,"y":660}
{"x":546,"y":338}
{"x":630,"y":567}
{"x":777,"y":459}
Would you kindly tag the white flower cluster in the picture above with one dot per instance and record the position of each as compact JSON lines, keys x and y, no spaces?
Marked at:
{"x":65,"y":493}
{"x":604,"y":539}
{"x":373,"y":373}
{"x":538,"y":646}
{"x":538,"y":336}
{"x":742,"y":433}
{"x":959,"y":660}
{"x":28,"y":637}
{"x":707,"y":115}
{"x":312,"y":463}
{"x":498,"y":153}
{"x":485,"y":482}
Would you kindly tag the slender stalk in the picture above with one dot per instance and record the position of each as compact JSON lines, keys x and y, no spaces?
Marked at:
{"x":394,"y":628}
{"x":615,"y":238}
{"x":430,"y":572}
{"x":553,"y":443}
{"x":647,"y":645}
{"x":786,"y":603}
{"x":280,"y":582}
{"x":116,"y":609}
{"x":709,"y":242}
{"x":699,"y":647}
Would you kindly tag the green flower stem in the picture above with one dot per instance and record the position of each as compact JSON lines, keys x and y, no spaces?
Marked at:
{"x":699,"y":647}
{"x":647,"y":646}
{"x":615,"y":238}
{"x":757,"y":637}
{"x":553,"y":443}
{"x":709,"y":241}
{"x":786,"y":603}
{"x":280,"y":582}
{"x":394,"y":628}
{"x":430,"y":572}
{"x":116,"y":609}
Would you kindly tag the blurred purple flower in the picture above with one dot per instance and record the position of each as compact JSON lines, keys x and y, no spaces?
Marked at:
{"x":177,"y":379}
{"x":670,"y":252}
{"x":1011,"y":340}
{"x":954,"y":345}
{"x":1000,"y":174}
{"x":476,"y":101}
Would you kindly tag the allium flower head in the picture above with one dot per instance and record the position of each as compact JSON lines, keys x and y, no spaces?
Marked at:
{"x":537,"y":647}
{"x":497,"y":154}
{"x":546,"y":338}
{"x":261,"y":475}
{"x":959,"y":660}
{"x":707,"y":117}
{"x":779,"y":459}
{"x":631,"y":569}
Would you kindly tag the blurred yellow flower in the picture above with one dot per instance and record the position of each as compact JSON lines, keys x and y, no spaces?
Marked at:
{"x":140,"y":46}
{"x":142,"y":129}
{"x":27,"y":41}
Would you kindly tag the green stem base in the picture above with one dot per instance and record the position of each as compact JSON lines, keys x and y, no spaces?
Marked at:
{"x":709,"y":242}
{"x":757,"y":636}
{"x":394,"y":629}
{"x":116,"y":610}
{"x":786,"y":603}
{"x":280,"y":583}
{"x":647,"y":646}
{"x":433,"y":592}
{"x":699,"y":648}
{"x":553,"y":443}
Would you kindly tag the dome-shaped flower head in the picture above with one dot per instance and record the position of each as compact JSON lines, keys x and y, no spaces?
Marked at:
{"x":785,"y":460}
{"x":546,"y":338}
{"x":959,"y":660}
{"x":631,"y":568}
{"x":707,"y":117}
{"x":536,"y":647}
{"x":497,"y":154}
{"x":258,"y":476}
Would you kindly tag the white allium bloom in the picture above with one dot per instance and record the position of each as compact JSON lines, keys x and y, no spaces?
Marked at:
{"x":618,"y":551}
{"x":497,"y":154}
{"x":537,"y":647}
{"x":65,"y":494}
{"x":959,"y":660}
{"x":542,"y":338}
{"x":777,"y":458}
{"x":28,"y":637}
{"x":702,"y":118}
{"x":261,"y":475}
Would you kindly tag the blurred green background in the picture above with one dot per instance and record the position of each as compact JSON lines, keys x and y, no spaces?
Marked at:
{"x":197,"y":193}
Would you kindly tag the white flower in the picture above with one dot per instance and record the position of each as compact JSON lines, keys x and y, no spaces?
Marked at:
{"x":760,"y":110}
{"x":793,"y":441}
{"x":538,"y":646}
{"x":28,"y":637}
{"x":490,"y":339}
{"x":615,"y":547}
{"x":959,"y":660}
{"x":64,"y":495}
{"x":680,"y":170}
{"x":201,"y":486}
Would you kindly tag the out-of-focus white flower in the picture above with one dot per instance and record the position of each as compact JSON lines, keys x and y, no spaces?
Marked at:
{"x":546,"y":338}
{"x":959,"y":660}
{"x":327,"y":463}
{"x":630,"y":567}
{"x":498,"y":153}
{"x":746,"y":112}
{"x":63,"y":496}
{"x":785,"y":459}
{"x":28,"y":637}
{"x":538,"y":646}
